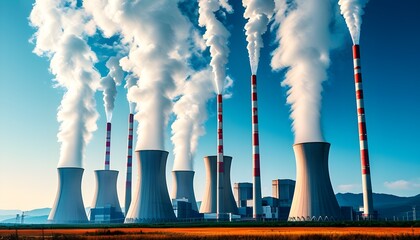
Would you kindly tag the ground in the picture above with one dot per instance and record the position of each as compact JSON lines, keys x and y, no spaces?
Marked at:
{"x":217,"y":233}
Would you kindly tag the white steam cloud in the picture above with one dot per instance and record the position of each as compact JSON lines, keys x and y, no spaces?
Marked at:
{"x":191,"y":115}
{"x":157,"y":35}
{"x":109,"y":85}
{"x":61,"y":31}
{"x":216,"y":37}
{"x":130,"y":81}
{"x":352,"y":11}
{"x":258,"y":13}
{"x":304,"y":43}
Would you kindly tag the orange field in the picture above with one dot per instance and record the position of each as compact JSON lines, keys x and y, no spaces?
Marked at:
{"x":218,"y":233}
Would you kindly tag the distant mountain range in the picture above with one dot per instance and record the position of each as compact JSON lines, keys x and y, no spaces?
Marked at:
{"x":387,"y":205}
{"x":39,"y":215}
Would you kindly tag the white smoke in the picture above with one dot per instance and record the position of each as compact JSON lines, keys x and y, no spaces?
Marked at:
{"x":352,"y":11}
{"x":216,"y":37}
{"x":157,"y":33}
{"x":109,"y":85}
{"x":258,"y":13}
{"x":304,"y":44}
{"x":62,"y":28}
{"x":191,"y":115}
{"x":130,"y":81}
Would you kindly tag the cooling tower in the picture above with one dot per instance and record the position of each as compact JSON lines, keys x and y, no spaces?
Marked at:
{"x":209,"y":202}
{"x":68,"y":206}
{"x":363,"y":141}
{"x":106,"y":206}
{"x":151,"y":202}
{"x":128,"y":178}
{"x":183,"y":187}
{"x":314,"y":198}
{"x":256,"y":190}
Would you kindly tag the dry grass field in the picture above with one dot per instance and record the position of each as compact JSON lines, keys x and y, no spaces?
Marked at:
{"x":218,"y":233}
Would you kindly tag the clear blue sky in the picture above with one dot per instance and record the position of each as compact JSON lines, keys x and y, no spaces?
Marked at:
{"x":390,"y":52}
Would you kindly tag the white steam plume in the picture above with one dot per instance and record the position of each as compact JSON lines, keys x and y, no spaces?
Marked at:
{"x":109,"y":85}
{"x":304,"y":44}
{"x":352,"y":11}
{"x":258,"y":13}
{"x":216,"y":37}
{"x":191,"y":115}
{"x":157,"y":33}
{"x":62,"y":28}
{"x":130,"y":81}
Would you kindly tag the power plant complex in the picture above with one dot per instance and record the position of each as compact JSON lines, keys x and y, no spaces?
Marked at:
{"x":309,"y":198}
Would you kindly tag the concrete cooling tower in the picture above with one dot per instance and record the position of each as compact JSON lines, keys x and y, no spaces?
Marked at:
{"x":183,"y":187}
{"x":314,"y":198}
{"x":106,"y":206}
{"x":68,"y":206}
{"x":208,"y":205}
{"x":151,"y":202}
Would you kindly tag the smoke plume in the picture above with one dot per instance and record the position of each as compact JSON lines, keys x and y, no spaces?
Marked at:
{"x":216,"y":37}
{"x":130,"y":81}
{"x":258,"y":13}
{"x":109,"y":85}
{"x":61,"y":31}
{"x":304,"y":43}
{"x":157,"y":35}
{"x":191,"y":114}
{"x":352,"y":11}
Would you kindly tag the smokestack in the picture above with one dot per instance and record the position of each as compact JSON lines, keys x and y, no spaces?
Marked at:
{"x":151,"y":202}
{"x":209,"y":202}
{"x":220,"y":168}
{"x":68,"y":206}
{"x":183,"y":187}
{"x":108,"y":145}
{"x":364,"y":154}
{"x":128,"y":178}
{"x":106,"y":203}
{"x":257,"y":207}
{"x":314,"y":197}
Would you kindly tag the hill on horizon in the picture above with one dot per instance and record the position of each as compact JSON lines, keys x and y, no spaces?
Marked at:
{"x":387,"y":205}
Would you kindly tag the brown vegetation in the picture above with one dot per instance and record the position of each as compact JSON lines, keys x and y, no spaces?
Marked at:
{"x":218,"y":233}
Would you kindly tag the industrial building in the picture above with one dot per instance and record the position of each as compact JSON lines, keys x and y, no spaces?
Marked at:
{"x":283,"y":190}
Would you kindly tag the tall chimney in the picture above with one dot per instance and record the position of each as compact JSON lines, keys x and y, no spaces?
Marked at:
{"x":220,"y":167}
{"x":107,"y":145}
{"x":257,"y":207}
{"x":314,"y":197}
{"x":209,"y":202}
{"x":151,"y":202}
{"x":364,"y":154}
{"x":128,"y":179}
{"x":68,"y":206}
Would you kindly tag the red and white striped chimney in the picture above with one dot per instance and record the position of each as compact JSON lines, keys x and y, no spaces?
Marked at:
{"x":364,"y":154}
{"x":220,"y":166}
{"x":107,"y":145}
{"x":257,"y":207}
{"x":129,"y":163}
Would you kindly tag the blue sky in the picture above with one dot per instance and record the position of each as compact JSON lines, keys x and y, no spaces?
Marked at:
{"x":390,"y":53}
